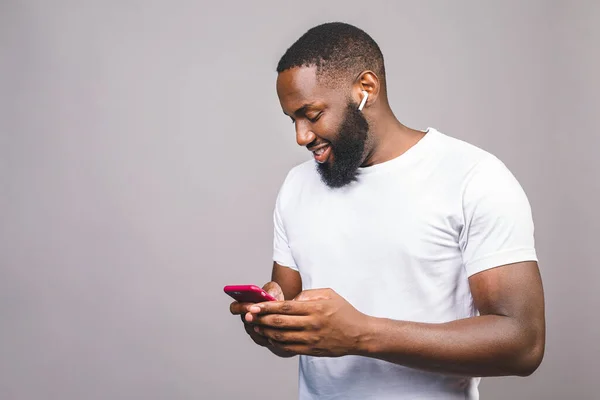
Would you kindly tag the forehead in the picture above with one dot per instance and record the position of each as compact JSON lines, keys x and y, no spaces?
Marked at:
{"x":299,"y":86}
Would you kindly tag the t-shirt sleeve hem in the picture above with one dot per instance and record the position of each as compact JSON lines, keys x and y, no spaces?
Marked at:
{"x":283,"y":259}
{"x":501,"y":258}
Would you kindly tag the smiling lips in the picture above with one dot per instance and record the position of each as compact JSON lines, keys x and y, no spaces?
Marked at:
{"x":321,"y":153}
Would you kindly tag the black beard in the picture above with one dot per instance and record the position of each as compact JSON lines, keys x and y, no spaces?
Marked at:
{"x":348,"y":149}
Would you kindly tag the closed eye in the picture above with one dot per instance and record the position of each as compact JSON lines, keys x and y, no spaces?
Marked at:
{"x":312,"y":120}
{"x":315,"y":119}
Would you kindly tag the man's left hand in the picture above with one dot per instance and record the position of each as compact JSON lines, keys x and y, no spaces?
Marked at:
{"x":317,"y":322}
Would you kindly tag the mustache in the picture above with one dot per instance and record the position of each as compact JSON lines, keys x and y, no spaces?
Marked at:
{"x":316,"y":143}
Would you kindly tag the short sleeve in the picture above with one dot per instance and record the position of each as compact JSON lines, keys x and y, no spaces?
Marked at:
{"x":282,"y":253}
{"x":498,"y":225}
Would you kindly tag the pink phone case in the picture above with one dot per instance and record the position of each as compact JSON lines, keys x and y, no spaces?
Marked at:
{"x":248,"y":293}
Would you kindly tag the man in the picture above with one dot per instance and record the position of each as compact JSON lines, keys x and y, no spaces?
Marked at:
{"x":404,"y":260}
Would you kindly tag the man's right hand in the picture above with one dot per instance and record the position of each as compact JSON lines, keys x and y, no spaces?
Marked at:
{"x":241,"y":309}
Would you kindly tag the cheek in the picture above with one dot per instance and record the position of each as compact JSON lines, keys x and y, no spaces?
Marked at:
{"x":327,"y":130}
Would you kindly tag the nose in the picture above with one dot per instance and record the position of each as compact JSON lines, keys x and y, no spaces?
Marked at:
{"x":304,"y":136}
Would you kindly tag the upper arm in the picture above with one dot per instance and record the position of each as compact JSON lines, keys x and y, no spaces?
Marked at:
{"x":514,"y":291}
{"x":498,"y":224}
{"x":499,"y":253}
{"x":497,"y":242}
{"x":285,"y":271}
{"x":288,"y":279}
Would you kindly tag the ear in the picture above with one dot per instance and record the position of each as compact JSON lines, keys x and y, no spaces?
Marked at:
{"x":368,"y":82}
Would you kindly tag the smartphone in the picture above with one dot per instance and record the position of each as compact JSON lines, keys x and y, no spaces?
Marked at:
{"x":248,"y":293}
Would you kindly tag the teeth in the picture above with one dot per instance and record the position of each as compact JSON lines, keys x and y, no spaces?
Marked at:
{"x":320,"y":151}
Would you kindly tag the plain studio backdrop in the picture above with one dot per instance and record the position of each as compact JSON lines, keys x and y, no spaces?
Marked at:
{"x":142,"y":146}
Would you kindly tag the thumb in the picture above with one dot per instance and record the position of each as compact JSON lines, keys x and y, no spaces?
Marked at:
{"x":314,"y":294}
{"x":274,"y":290}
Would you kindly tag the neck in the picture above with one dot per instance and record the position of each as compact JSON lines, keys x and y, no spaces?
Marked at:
{"x":389,"y":138}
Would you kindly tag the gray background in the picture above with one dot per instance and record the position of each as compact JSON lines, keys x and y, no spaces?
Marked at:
{"x":142,"y":146}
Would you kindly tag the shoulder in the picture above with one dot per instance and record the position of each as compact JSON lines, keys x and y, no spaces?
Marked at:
{"x":459,"y":151}
{"x":468,"y":161}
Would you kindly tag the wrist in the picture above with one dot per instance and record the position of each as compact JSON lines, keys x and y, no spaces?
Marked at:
{"x":369,"y":328}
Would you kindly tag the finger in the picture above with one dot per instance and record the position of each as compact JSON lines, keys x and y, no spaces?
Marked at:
{"x":283,"y":336}
{"x":249,"y":317}
{"x":238,"y":308}
{"x":283,"y":321}
{"x":314,"y":294}
{"x":298,"y":348}
{"x":281,"y":307}
{"x":256,"y":338}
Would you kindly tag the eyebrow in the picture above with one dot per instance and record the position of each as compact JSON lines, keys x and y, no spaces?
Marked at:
{"x":302,"y":109}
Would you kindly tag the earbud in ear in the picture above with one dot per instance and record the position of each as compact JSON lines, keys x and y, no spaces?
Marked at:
{"x":364,"y":100}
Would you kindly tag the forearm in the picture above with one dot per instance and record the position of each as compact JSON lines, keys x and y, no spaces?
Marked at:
{"x":489,"y":345}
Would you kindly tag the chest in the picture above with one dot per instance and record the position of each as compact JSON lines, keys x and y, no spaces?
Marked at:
{"x":390,"y":223}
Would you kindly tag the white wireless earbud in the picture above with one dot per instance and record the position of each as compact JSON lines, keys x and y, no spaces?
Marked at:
{"x":364,"y":100}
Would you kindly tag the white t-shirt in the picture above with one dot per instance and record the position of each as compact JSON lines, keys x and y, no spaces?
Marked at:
{"x":401,"y":243}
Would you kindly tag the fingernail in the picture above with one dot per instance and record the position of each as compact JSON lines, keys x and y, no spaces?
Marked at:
{"x":256,"y":329}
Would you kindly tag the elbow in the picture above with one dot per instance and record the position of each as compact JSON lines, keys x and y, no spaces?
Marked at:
{"x":530,"y":358}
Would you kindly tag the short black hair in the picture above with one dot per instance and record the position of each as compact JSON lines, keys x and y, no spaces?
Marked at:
{"x":338,"y":50}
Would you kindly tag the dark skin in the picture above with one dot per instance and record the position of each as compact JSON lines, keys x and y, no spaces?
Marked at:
{"x":285,"y":284}
{"x":507,"y":338}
